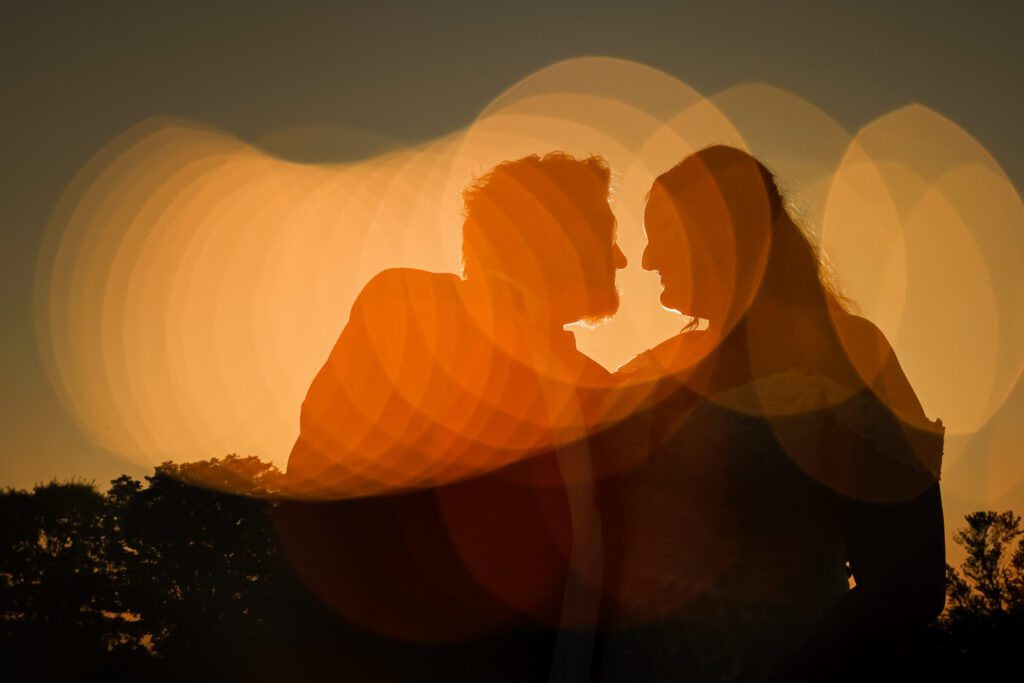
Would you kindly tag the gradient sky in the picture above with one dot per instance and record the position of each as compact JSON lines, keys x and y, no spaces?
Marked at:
{"x":73,"y":77}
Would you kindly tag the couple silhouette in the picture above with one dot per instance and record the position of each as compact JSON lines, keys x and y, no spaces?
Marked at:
{"x":464,"y":477}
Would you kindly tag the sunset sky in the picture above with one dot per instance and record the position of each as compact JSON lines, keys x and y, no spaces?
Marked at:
{"x":345,"y":81}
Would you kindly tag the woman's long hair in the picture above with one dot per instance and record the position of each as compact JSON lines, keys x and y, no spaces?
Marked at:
{"x":795,"y":270}
{"x":776,"y":265}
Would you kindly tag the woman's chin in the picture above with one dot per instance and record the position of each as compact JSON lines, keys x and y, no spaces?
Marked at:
{"x":673,"y":304}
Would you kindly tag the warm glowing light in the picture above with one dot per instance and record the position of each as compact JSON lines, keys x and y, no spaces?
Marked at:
{"x":191,"y":285}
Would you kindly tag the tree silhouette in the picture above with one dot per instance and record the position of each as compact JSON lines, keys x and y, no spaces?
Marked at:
{"x":201,"y":565}
{"x":992,"y":583}
{"x":170,"y":579}
{"x":166,"y":572}
{"x":984,"y":617}
{"x":58,"y":603}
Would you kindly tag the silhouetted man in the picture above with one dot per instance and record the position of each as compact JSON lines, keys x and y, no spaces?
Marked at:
{"x":448,"y":428}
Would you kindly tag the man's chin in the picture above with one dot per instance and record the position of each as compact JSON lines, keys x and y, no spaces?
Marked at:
{"x":602,"y":308}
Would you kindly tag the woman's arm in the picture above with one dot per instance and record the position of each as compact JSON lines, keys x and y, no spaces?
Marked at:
{"x":897,"y":554}
{"x":896,"y":549}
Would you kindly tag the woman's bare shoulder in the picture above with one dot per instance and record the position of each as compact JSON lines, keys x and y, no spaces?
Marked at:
{"x":856,"y":328}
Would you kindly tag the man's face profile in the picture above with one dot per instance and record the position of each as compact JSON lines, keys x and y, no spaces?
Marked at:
{"x":600,"y":258}
{"x":544,"y":226}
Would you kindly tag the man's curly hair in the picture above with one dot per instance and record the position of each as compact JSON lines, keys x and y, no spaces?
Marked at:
{"x":513,"y":211}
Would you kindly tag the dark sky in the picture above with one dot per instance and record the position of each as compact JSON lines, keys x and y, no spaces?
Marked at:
{"x":73,"y":75}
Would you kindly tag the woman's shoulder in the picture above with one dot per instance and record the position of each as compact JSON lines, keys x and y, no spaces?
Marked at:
{"x":798,"y":408}
{"x":867,"y":449}
{"x":916,"y":446}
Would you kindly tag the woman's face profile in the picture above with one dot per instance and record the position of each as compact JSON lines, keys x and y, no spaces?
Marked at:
{"x":666,"y":252}
{"x":689,"y":240}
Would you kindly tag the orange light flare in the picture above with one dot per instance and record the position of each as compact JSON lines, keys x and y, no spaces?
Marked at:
{"x":222,"y":275}
{"x":927,"y":233}
{"x":191,"y":285}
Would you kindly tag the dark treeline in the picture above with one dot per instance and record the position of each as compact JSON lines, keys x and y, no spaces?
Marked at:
{"x":166,"y":580}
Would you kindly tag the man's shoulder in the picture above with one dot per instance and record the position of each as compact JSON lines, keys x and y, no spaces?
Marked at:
{"x":409,"y":281}
{"x":396,"y":288}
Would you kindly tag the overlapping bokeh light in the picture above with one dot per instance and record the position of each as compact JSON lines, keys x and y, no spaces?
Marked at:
{"x":191,"y":284}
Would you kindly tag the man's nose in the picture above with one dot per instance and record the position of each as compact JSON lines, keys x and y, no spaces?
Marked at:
{"x":645,"y":261}
{"x":619,"y":258}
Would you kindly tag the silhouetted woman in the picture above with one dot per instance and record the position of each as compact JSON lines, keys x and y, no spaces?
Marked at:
{"x":784,"y":448}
